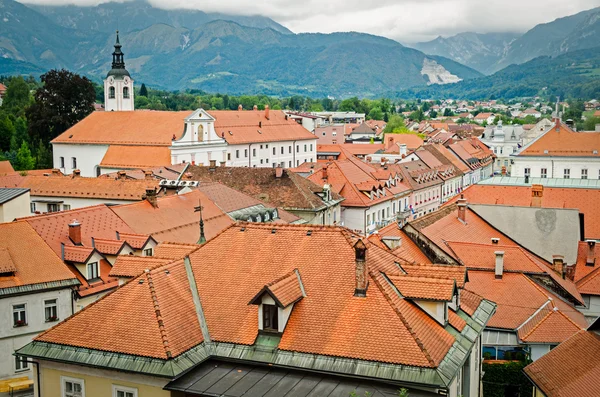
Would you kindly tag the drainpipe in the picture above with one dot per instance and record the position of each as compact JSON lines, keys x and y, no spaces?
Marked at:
{"x":37,"y":375}
{"x":249,"y":155}
{"x":293,"y":153}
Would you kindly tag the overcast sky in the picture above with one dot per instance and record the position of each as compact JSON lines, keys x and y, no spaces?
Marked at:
{"x":403,"y":20}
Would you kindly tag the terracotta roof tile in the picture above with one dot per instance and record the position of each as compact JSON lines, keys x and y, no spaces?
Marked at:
{"x":133,"y":266}
{"x":469,"y":301}
{"x":408,"y":250}
{"x":445,"y":272}
{"x":456,"y":321}
{"x":137,"y":241}
{"x":585,"y":200}
{"x":77,"y":254}
{"x":6,"y":168}
{"x":108,"y":246}
{"x":549,"y":325}
{"x":287,"y":289}
{"x":25,"y":253}
{"x":173,"y":251}
{"x":91,"y":188}
{"x":244,"y":127}
{"x":393,"y":141}
{"x":128,"y":157}
{"x":564,"y":142}
{"x":570,"y":369}
{"x":421,"y":288}
{"x":290,"y":191}
{"x":174,"y":218}
{"x":11,"y":180}
{"x":163,"y":317}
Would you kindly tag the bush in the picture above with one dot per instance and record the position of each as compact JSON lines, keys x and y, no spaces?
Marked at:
{"x":502,"y":377}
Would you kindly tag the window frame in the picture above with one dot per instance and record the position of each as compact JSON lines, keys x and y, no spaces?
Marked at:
{"x":584,"y":173}
{"x":24,"y":311}
{"x":112,"y":93}
{"x":148,"y":250}
{"x":567,"y":173}
{"x":124,"y":389}
{"x":21,"y":362}
{"x":272,"y":309}
{"x":63,"y":382}
{"x":125,"y":92}
{"x":66,"y":207}
{"x":62,"y":162}
{"x":87,"y":268}
{"x":51,"y":319}
{"x":544,"y":173}
{"x":74,"y":163}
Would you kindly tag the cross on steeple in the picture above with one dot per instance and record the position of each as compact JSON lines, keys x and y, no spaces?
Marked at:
{"x":199,"y":209}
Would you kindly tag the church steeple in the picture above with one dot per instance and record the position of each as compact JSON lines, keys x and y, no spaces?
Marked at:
{"x":118,"y":61}
{"x":118,"y":85}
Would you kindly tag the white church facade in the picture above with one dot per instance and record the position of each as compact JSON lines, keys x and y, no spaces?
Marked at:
{"x":122,"y":138}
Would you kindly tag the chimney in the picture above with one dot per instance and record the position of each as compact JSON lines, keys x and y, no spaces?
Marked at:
{"x":151,"y":196}
{"x":213,"y":165}
{"x":76,"y":173}
{"x":462,"y":209}
{"x":55,"y":172}
{"x":325,"y":176}
{"x":495,"y":240}
{"x":558,"y":262}
{"x":267,"y":112}
{"x":278,"y":172}
{"x":148,"y":175}
{"x":537,"y":192}
{"x":255,"y":107}
{"x":591,"y":254}
{"x":121,"y":175}
{"x":499,"y":268}
{"x":222,"y":163}
{"x":360,"y":255}
{"x":403,"y":149}
{"x":570,"y":272}
{"x":75,"y":232}
{"x":240,"y":107}
{"x":503,"y":172}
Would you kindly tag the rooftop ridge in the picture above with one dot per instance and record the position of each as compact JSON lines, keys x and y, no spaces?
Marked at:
{"x":587,"y":278}
{"x":400,"y":316}
{"x":159,"y":319}
{"x":60,"y":213}
{"x":288,"y":274}
{"x":191,"y":223}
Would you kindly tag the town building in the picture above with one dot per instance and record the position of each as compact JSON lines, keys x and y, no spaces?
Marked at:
{"x":476,"y":155}
{"x":373,"y":196}
{"x":35,"y":294}
{"x":314,"y":203}
{"x":14,"y":203}
{"x":487,"y":118}
{"x":570,"y":369}
{"x":122,"y":138}
{"x":436,"y":157}
{"x":340,"y":117}
{"x":503,"y":140}
{"x":560,"y":153}
{"x":327,"y":153}
{"x":362,"y":134}
{"x":226,"y":310}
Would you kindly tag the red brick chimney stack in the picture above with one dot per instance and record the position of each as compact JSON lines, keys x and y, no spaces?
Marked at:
{"x":267,"y":112}
{"x":362,"y":278}
{"x":462,"y":208}
{"x":75,"y":232}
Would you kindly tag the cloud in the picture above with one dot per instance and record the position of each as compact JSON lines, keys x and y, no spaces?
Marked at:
{"x":402,"y":20}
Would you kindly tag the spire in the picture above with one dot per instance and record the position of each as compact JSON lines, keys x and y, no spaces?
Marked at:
{"x":118,"y":60}
{"x":199,"y":208}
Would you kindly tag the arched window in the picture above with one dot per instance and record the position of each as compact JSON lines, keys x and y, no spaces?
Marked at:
{"x":111,"y":92}
{"x":126,"y":92}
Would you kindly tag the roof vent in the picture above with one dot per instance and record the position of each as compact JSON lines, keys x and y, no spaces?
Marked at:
{"x":309,"y":232}
{"x":141,"y":281}
{"x":273,"y":231}
{"x":495,"y":240}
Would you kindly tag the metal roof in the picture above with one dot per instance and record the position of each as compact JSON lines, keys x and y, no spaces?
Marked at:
{"x":547,"y":182}
{"x":9,"y":193}
{"x":229,"y":379}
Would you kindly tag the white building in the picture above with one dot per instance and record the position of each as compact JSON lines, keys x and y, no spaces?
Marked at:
{"x":14,"y":203}
{"x":31,"y":300}
{"x":118,"y":85}
{"x":560,"y":153}
{"x":503,"y":140}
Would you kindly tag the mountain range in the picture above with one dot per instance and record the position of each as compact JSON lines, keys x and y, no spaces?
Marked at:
{"x":187,"y":49}
{"x":489,"y":53}
{"x":181,"y":49}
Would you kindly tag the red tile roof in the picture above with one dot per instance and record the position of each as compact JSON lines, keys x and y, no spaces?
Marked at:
{"x":564,"y":142}
{"x":585,"y":200}
{"x":77,"y":254}
{"x":166,"y":324}
{"x":133,"y":266}
{"x":549,"y":325}
{"x":26,"y":258}
{"x":174,"y":218}
{"x":472,"y":152}
{"x":422,"y":288}
{"x":131,"y":157}
{"x":158,"y":305}
{"x":137,"y":241}
{"x":285,"y":290}
{"x":92,"y":188}
{"x":571,"y":369}
{"x":518,"y":298}
{"x":456,"y":321}
{"x":393,"y":141}
{"x":108,"y":246}
{"x":408,"y":250}
{"x":173,"y":251}
{"x":350,"y":149}
{"x":6,"y":168}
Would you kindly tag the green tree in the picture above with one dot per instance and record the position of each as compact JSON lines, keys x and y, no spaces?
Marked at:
{"x":24,"y":159}
{"x":349,"y":105}
{"x":143,"y":90}
{"x":19,"y":135}
{"x":17,"y":96}
{"x":375,"y":114}
{"x":65,"y":99}
{"x":417,"y":115}
{"x":43,"y":156}
{"x":590,"y":123}
{"x":448,"y":112}
{"x":395,"y":124}
{"x":7,"y":130}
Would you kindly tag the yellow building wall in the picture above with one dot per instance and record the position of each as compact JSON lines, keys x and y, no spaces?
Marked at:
{"x":98,"y":386}
{"x":538,"y":393}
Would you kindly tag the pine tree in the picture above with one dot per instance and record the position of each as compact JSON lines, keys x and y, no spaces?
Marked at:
{"x":7,"y":130}
{"x":17,"y":96}
{"x":144,"y":90}
{"x":24,"y":159}
{"x":20,"y":134}
{"x":43,"y":156}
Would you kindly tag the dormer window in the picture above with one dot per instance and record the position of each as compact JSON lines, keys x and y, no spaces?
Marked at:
{"x":92,"y":270}
{"x":270,"y":318}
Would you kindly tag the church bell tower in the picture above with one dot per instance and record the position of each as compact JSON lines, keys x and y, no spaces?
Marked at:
{"x":118,"y":85}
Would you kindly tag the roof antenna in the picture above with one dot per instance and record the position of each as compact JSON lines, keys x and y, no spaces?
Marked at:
{"x":199,"y":209}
